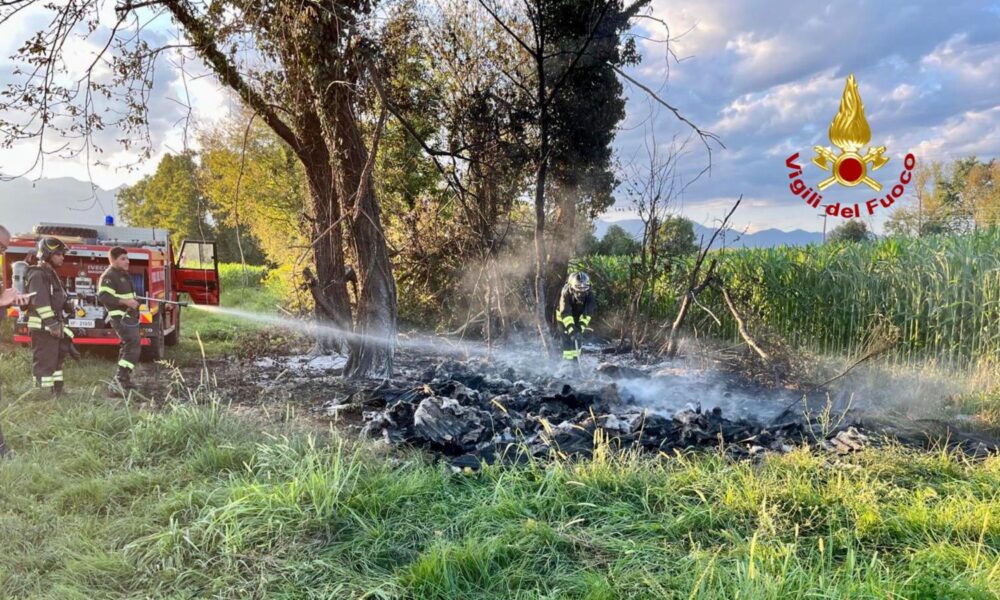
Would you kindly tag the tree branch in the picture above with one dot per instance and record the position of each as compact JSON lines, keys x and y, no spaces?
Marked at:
{"x":704,"y":135}
{"x":204,"y":40}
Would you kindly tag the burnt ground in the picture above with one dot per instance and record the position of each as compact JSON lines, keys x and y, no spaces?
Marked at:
{"x":515,"y":405}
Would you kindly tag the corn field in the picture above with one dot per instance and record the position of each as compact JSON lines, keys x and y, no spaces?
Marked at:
{"x":943,"y":293}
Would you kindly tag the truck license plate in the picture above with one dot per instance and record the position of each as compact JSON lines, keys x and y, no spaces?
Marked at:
{"x":81,"y":323}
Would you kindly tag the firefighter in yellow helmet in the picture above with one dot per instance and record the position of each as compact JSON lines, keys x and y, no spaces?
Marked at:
{"x":46,"y":321}
{"x":576,"y":308}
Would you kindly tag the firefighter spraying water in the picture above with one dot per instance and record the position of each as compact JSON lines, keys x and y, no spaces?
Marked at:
{"x":134,"y":305}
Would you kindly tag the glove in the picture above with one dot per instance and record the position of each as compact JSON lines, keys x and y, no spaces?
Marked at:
{"x":55,"y":330}
{"x":569,"y":330}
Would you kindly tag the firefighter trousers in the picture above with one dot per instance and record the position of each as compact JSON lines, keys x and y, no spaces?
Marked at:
{"x":571,"y":350}
{"x":127,"y":329}
{"x":47,"y":355}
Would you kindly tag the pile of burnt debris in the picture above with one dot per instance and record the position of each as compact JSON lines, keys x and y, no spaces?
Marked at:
{"x":473,"y":412}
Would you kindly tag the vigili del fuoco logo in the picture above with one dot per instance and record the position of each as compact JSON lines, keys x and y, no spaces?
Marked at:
{"x":849,"y":133}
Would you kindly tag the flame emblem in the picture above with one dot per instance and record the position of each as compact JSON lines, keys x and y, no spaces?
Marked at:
{"x":849,"y":131}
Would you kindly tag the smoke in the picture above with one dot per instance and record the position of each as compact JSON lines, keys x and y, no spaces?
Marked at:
{"x":913,"y":392}
{"x":876,"y":392}
{"x":673,"y":389}
{"x":503,"y":282}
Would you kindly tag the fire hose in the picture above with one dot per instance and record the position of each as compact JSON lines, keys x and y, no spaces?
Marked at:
{"x":160,"y":300}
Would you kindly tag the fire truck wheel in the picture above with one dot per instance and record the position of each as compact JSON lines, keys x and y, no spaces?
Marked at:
{"x":154,"y":351}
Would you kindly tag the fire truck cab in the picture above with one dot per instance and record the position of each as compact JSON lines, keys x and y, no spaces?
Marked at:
{"x":156,"y":272}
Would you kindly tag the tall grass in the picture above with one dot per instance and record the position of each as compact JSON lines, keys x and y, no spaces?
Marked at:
{"x":943,"y":293}
{"x":310,"y":521}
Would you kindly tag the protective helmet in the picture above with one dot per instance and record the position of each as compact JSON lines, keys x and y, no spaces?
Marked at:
{"x":579,"y":282}
{"x":49,"y":246}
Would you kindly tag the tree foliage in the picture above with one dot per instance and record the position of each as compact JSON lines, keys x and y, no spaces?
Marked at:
{"x":676,"y":237}
{"x":957,"y":197}
{"x":257,"y":186}
{"x":850,"y":232}
{"x":169,"y":199}
{"x":618,"y":242}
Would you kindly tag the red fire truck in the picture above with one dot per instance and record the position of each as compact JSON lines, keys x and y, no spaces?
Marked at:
{"x":156,"y":273}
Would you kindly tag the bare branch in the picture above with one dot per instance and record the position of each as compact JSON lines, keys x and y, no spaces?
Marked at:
{"x":705,"y":136}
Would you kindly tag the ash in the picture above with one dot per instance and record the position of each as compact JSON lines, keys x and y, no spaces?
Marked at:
{"x":515,"y":406}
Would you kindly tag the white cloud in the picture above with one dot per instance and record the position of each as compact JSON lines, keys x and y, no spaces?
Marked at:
{"x":903,"y":92}
{"x":971,"y":133}
{"x":768,"y":76}
{"x":112,"y":163}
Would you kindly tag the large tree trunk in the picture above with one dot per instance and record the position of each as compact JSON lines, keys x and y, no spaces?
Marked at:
{"x":328,"y":252}
{"x":374,"y":341}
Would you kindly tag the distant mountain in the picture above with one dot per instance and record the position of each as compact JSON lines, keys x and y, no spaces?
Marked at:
{"x":765,"y":238}
{"x":24,"y":203}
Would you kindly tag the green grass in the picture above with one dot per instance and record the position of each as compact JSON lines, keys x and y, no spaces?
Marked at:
{"x":106,"y":500}
{"x":254,"y":290}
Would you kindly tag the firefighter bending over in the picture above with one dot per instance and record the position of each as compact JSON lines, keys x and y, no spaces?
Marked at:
{"x":118,"y":297}
{"x":46,"y":321}
{"x":576,"y":308}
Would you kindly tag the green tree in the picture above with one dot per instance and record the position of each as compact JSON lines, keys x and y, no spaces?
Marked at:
{"x":169,"y":199}
{"x":589,"y":244}
{"x":852,"y":231}
{"x":255,"y":184}
{"x":618,"y":242}
{"x":948,"y":199}
{"x":981,"y":194}
{"x":587,"y":42}
{"x":676,"y":238}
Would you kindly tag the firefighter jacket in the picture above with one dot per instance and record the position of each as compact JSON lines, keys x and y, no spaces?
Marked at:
{"x":575,"y":309}
{"x":46,"y":307}
{"x":115,"y":285}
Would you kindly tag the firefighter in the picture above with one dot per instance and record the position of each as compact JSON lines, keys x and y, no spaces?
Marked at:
{"x":118,"y":297}
{"x":46,"y":321}
{"x":8,"y":297}
{"x":576,"y":308}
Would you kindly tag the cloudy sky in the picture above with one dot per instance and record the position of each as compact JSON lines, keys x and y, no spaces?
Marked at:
{"x":765,"y":76}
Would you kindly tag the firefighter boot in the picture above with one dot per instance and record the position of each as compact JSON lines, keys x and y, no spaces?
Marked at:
{"x":57,"y":389}
{"x":42,"y":386}
{"x":124,"y":379}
